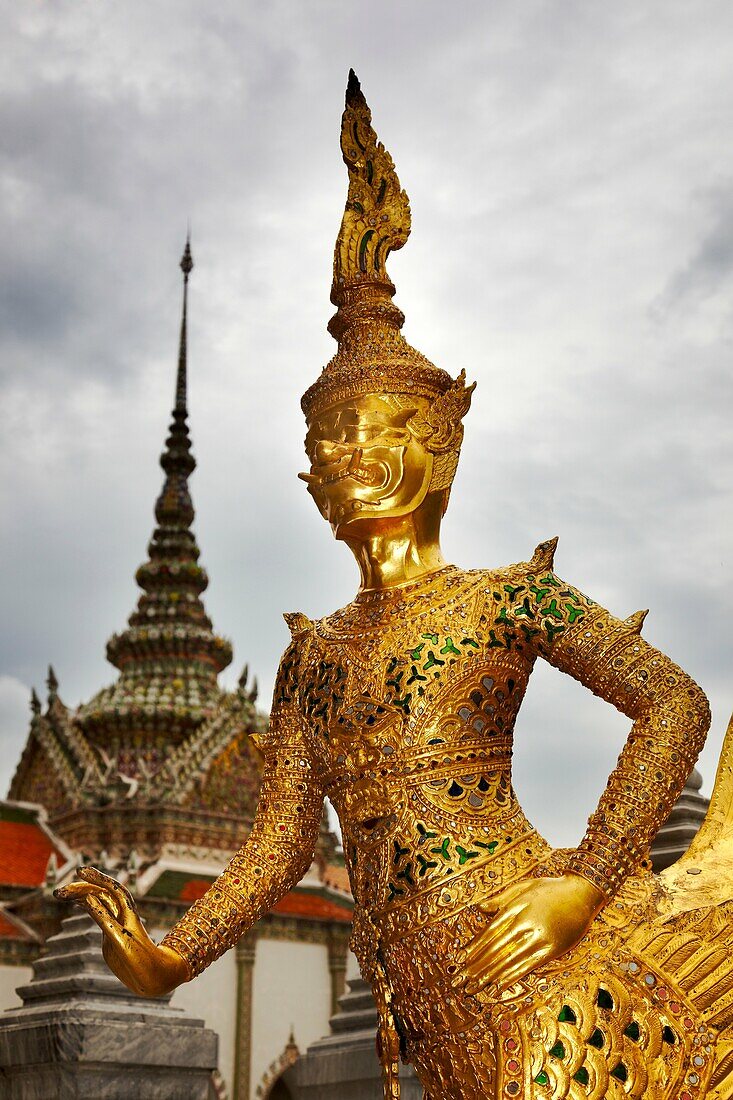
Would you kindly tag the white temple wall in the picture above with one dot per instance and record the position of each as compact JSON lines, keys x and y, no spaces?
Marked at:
{"x":352,"y":967}
{"x":291,"y":988}
{"x":213,"y":998}
{"x":10,"y":978}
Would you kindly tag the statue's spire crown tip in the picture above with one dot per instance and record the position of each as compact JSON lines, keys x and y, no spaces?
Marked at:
{"x":353,"y":88}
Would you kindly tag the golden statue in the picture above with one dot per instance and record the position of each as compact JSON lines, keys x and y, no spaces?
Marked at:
{"x":501,"y":967}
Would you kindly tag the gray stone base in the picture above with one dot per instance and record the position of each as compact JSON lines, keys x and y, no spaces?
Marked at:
{"x":81,"y":1035}
{"x":344,"y":1065}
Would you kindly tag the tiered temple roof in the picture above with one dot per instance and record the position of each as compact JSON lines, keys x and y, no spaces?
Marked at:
{"x":163,"y":756}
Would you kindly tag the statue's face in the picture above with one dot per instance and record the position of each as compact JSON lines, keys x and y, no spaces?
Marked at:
{"x":366,"y":465}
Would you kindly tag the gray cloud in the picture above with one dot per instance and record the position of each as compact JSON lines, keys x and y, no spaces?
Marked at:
{"x":567,"y":168}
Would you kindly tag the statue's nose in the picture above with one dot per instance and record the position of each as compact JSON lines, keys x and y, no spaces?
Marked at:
{"x":327,"y":451}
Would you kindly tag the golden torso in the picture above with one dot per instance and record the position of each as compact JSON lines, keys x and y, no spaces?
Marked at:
{"x":410,"y":696}
{"x":408,"y":699}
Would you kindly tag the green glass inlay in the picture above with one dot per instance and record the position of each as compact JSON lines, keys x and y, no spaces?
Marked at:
{"x":490,"y":847}
{"x":597,"y":1039}
{"x":604,"y":999}
{"x":542,"y":1078}
{"x":399,"y":851}
{"x":425,"y":865}
{"x":558,"y":1051}
{"x":464,"y":856}
{"x":574,"y":613}
{"x":668,"y":1035}
{"x":620,"y":1072}
{"x":415,"y":674}
{"x":632,"y":1031}
{"x":449,"y":647}
{"x":553,"y":631}
{"x":566,"y":1015}
{"x":431,"y":638}
{"x":406,"y":874}
{"x":581,"y":1076}
{"x":524,"y":610}
{"x":363,"y":244}
{"x":443,"y":850}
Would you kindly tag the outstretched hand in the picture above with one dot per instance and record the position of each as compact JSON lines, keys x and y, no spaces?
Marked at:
{"x":534,"y":921}
{"x":144,"y":967}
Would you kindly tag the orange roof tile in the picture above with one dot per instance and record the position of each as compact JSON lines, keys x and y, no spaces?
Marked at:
{"x":314,"y":906}
{"x":298,"y":903}
{"x":24,"y":851}
{"x":194,"y":889}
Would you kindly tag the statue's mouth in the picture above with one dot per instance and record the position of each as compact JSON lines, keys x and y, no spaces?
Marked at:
{"x":372,"y":475}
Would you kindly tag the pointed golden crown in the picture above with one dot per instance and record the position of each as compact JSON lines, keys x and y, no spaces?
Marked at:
{"x":372,"y":356}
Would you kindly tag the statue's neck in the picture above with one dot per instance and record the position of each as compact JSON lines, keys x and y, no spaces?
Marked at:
{"x":391,"y":552}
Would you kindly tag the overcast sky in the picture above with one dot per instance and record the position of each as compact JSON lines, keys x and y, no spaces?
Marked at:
{"x":570,"y":169}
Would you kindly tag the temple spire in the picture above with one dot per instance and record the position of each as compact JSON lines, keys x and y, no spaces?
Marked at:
{"x":181,"y":378}
{"x":169,"y":656}
{"x":174,"y":505}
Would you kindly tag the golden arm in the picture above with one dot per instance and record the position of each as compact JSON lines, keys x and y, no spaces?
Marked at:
{"x":538,"y":919}
{"x":275,"y":856}
{"x":670,"y":721}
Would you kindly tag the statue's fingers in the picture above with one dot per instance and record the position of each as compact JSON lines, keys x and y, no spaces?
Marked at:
{"x":503,"y":922}
{"x":101,"y":915}
{"x":99,"y":878}
{"x":522,"y":963}
{"x":495,"y":959}
{"x":81,"y":891}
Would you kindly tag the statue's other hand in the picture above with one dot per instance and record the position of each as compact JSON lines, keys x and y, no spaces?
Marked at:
{"x":128,"y":950}
{"x":533,"y":922}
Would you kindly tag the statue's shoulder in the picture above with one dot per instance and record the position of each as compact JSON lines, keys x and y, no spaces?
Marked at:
{"x":541,"y":561}
{"x":289,"y":669}
{"x":298,"y":624}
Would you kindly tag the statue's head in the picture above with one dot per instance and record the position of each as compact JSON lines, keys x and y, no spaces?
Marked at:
{"x":384,"y":424}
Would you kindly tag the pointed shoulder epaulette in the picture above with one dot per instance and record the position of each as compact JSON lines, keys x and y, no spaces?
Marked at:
{"x":544,"y":556}
{"x":636,"y":621}
{"x":297,"y":622}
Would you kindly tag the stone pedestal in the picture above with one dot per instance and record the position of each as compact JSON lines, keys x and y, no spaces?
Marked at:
{"x":81,"y":1035}
{"x":344,"y":1065}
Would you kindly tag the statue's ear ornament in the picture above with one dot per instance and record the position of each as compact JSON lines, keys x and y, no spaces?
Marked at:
{"x":439,"y":428}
